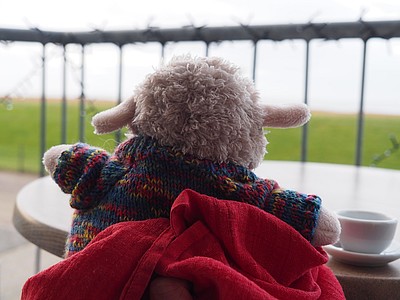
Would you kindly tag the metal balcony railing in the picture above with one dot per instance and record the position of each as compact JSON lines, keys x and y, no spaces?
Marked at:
{"x":307,"y":32}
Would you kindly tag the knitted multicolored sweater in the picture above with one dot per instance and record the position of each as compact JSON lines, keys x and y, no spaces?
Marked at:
{"x":142,"y":179}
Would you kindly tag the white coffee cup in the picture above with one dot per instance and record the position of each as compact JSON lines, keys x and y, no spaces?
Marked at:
{"x":366,"y":231}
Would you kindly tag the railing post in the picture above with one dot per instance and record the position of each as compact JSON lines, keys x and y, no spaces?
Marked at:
{"x":82,"y":111}
{"x":162,"y":51}
{"x":304,"y":139}
{"x":64,"y":98}
{"x":119,"y":100}
{"x":255,"y":43}
{"x":360,"y":128}
{"x":43,"y":117}
{"x":43,"y":120}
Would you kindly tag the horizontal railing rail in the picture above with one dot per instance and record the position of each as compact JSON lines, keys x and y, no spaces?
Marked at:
{"x":308,"y":31}
{"x":362,"y":30}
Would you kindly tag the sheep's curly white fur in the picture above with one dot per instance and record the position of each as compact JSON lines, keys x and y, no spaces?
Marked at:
{"x":202,"y":106}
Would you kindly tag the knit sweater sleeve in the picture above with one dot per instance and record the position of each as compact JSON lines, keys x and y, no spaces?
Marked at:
{"x":78,"y":172}
{"x":299,"y":210}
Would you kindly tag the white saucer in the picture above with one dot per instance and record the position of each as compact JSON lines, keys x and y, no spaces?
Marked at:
{"x":362,"y":259}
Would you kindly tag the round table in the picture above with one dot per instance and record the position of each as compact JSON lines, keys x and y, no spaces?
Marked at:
{"x":42,"y":213}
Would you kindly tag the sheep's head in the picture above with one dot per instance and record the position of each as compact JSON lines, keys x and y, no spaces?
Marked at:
{"x":202,"y":106}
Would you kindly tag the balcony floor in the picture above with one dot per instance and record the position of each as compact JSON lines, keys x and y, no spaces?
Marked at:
{"x":17,"y":255}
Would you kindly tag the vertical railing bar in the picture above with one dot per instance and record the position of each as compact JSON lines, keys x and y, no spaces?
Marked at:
{"x":43,"y":112}
{"x":119,"y":100}
{"x":360,"y":128}
{"x":162,"y":51}
{"x":82,"y":99}
{"x":254,"y":60}
{"x":64,"y":98}
{"x":43,"y":120}
{"x":304,"y":139}
{"x":37,"y":260}
{"x":207,"y":48}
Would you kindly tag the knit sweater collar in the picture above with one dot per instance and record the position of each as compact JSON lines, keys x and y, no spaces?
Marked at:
{"x":140,"y":148}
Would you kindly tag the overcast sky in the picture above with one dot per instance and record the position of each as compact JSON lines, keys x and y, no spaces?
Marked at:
{"x":122,"y":14}
{"x":335,"y":66}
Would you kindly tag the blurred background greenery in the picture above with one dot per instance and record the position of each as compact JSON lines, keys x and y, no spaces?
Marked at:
{"x":332,"y":137}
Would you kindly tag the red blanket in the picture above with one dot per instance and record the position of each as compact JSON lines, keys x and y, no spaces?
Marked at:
{"x":226,"y":249}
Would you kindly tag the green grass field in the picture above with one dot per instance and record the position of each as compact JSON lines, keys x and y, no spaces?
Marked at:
{"x":332,"y":137}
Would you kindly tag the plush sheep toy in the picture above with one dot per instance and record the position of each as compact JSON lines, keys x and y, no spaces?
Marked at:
{"x":196,"y":123}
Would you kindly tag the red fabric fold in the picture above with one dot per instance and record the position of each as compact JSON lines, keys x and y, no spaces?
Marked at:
{"x":226,"y":249}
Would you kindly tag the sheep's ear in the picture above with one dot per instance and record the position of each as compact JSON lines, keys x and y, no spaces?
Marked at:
{"x":114,"y":118}
{"x":286,"y":116}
